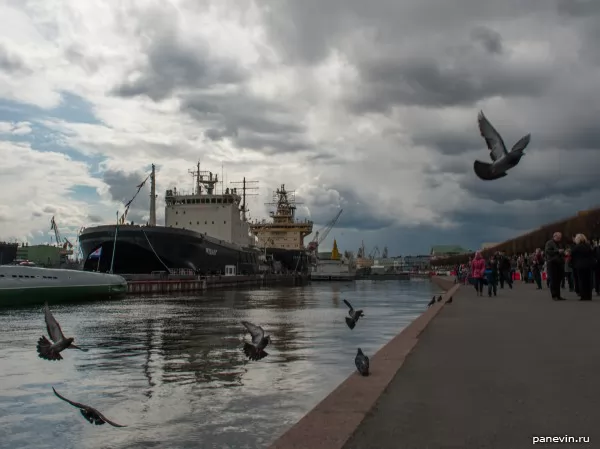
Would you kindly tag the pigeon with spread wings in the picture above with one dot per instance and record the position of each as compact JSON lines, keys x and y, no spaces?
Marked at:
{"x":354,"y":315}
{"x":502,"y":159}
{"x":89,"y":413}
{"x":256,"y":350}
{"x":51,"y":351}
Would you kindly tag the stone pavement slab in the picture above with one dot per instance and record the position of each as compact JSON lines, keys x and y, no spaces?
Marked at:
{"x":494,"y":373}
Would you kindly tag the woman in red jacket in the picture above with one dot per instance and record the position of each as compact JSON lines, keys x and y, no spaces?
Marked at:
{"x":477,"y":272}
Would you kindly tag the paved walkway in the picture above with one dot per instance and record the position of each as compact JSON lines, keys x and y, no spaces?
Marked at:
{"x":493,"y":373}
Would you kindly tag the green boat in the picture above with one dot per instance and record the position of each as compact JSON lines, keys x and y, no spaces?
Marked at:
{"x":28,"y":285}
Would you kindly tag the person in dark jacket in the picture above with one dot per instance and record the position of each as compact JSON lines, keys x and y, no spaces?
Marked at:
{"x":575,"y":277}
{"x":584,"y":262}
{"x":537,"y":264}
{"x":555,"y":264}
{"x":597,"y":270}
{"x":492,"y":275}
{"x":504,"y":270}
{"x":568,"y":271}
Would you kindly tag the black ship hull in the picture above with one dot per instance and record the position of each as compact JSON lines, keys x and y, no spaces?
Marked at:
{"x":144,"y":249}
{"x":8,"y":252}
{"x":291,"y":259}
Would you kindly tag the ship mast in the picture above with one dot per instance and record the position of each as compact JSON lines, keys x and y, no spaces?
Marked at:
{"x":285,"y":202}
{"x":153,"y":196}
{"x":245,"y":193}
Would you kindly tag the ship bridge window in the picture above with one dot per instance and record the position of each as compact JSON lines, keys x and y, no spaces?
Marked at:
{"x":197,"y":222}
{"x":175,"y":223}
{"x":14,"y":275}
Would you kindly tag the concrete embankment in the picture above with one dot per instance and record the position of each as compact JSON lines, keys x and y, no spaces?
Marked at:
{"x":151,"y":285}
{"x":335,"y":419}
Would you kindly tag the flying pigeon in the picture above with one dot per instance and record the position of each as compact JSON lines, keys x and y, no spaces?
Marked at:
{"x":362,"y":363}
{"x":502,"y":160}
{"x":354,"y":315}
{"x":49,"y":351}
{"x":89,"y":413}
{"x":432,"y":302}
{"x":256,"y":350}
{"x":439,"y":298}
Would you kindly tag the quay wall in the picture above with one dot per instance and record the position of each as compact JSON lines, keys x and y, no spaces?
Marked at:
{"x":332,"y":422}
{"x":146,"y":285}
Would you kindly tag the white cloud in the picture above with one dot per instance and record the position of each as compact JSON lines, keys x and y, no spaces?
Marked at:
{"x":37,"y":185}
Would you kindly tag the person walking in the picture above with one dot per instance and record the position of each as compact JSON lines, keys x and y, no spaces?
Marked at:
{"x":584,"y":262}
{"x":575,"y":274}
{"x":491,"y":276}
{"x":555,"y":260}
{"x":477,"y":272}
{"x":597,"y":269}
{"x":568,"y":271}
{"x":504,"y":270}
{"x":537,"y":263}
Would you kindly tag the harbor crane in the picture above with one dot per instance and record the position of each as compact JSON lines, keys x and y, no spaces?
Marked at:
{"x":66,"y":244}
{"x":321,"y":234}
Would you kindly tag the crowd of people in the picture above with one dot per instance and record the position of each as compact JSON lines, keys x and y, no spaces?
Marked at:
{"x":575,"y":265}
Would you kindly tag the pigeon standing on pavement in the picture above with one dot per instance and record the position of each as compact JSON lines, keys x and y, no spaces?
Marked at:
{"x":502,"y":159}
{"x":51,"y":351}
{"x":362,"y":363}
{"x":256,"y":350}
{"x":432,"y":302}
{"x":439,"y":298}
{"x":449,"y":301}
{"x":89,"y":413}
{"x":354,"y":315}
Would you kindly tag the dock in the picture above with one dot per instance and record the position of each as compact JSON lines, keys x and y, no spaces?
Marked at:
{"x":510,"y":371}
{"x":148,"y":284}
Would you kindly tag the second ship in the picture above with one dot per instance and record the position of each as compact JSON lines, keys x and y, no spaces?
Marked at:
{"x":204,"y":232}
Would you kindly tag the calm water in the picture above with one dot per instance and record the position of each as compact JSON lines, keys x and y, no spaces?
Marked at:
{"x":172,"y":369}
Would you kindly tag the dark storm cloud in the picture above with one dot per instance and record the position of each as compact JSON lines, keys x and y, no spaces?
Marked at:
{"x":578,"y":8}
{"x":122,"y":186}
{"x":174,"y":65}
{"x":490,"y":39}
{"x":10,"y":62}
{"x":520,"y":218}
{"x":459,"y":80}
{"x":324,"y":204}
{"x":249,"y":121}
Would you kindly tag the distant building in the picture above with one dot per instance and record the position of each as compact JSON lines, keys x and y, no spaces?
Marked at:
{"x":43,"y":255}
{"x":441,"y":251}
{"x":416,"y":263}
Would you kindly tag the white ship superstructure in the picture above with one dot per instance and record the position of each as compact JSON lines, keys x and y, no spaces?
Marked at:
{"x":221,"y":216}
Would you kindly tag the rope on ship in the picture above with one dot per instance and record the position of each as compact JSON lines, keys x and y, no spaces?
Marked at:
{"x":152,"y":248}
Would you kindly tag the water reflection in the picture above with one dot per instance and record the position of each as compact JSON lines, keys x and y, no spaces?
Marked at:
{"x":173,"y":370}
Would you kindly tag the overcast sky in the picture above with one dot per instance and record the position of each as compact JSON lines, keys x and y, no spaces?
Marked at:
{"x":368,"y":106}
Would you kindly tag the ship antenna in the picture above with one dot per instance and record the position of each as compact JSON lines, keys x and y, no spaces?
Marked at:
{"x":153,"y":196}
{"x":245,"y":193}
